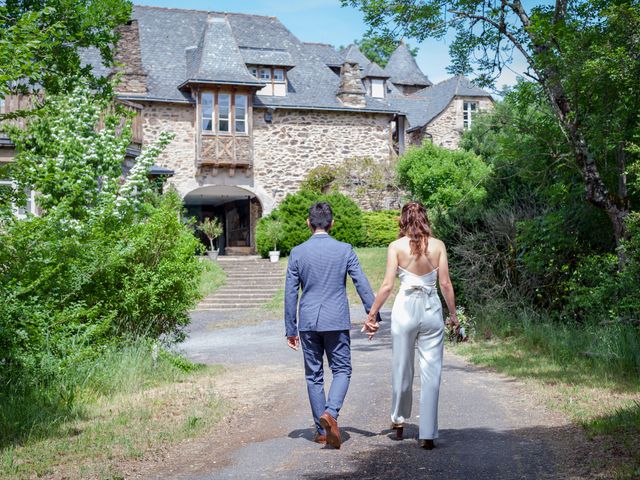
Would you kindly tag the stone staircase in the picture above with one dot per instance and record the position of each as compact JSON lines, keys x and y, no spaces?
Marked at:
{"x":251,"y":283}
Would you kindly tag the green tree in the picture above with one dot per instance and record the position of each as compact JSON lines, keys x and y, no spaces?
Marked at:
{"x":379,"y":49}
{"x":107,"y":259}
{"x":582,"y":56}
{"x":442,"y":178}
{"x":40,"y":41}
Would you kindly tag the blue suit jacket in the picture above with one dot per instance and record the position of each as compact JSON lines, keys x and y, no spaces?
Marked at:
{"x":319,"y":266}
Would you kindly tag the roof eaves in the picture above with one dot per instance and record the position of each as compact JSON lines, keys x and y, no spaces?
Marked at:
{"x":327,"y":108}
{"x":220,"y":82}
{"x":154,"y":99}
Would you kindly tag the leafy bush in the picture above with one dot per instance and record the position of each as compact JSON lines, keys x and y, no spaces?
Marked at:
{"x":293,"y":213}
{"x":319,"y":179}
{"x":381,"y":227}
{"x":597,"y":291}
{"x":439,"y":177}
{"x":109,"y":260}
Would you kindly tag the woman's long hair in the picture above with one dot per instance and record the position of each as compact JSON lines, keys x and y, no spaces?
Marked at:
{"x":415,"y":225}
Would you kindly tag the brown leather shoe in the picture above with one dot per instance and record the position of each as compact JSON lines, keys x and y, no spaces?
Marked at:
{"x":399,"y":428}
{"x":319,"y":438}
{"x":427,"y":444}
{"x":331,"y":427}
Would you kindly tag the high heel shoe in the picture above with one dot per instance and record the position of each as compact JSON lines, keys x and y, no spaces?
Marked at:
{"x":427,"y":444}
{"x":399,"y":428}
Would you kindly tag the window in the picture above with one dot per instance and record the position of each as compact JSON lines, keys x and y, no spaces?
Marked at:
{"x":22,"y":210}
{"x":241,"y":114}
{"x":278,"y":74}
{"x":265,"y":74}
{"x":275,"y":79}
{"x":224,"y":111}
{"x":468,"y":111}
{"x":207,"y":112}
{"x":377,"y":87}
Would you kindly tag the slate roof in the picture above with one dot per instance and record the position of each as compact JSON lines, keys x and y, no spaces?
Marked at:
{"x":457,"y":85}
{"x":325,"y":52}
{"x":266,"y":56}
{"x":353,"y":54}
{"x":217,"y":58}
{"x":404,"y":70}
{"x":425,"y":105}
{"x":374,"y":70}
{"x":178,"y":45}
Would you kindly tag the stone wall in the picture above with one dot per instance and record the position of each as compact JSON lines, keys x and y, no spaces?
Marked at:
{"x":297,"y":141}
{"x":284,"y":150}
{"x":446,"y":129}
{"x":180,"y":155}
{"x":127,"y":52}
{"x":351,"y":92}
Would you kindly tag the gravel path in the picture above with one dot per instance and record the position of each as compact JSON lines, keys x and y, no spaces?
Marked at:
{"x":489,"y":427}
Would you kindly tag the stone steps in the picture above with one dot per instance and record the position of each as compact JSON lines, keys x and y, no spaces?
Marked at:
{"x":251,"y":283}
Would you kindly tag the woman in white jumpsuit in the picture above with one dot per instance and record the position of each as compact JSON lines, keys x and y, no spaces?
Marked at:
{"x":416,"y":319}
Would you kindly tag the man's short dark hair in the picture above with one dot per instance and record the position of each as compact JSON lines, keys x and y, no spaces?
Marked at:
{"x":320,"y":216}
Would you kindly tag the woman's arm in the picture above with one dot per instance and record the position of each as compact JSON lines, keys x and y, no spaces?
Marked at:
{"x":445,"y":285}
{"x":385,"y":288}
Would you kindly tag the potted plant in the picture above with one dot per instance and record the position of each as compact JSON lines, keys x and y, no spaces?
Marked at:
{"x":212,"y":228}
{"x":274,"y":233}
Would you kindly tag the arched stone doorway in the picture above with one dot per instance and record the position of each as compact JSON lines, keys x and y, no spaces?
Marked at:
{"x":237,"y":209}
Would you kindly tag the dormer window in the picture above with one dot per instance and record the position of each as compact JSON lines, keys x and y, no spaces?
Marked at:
{"x":265,"y":74}
{"x":377,"y":87}
{"x":274,"y":77}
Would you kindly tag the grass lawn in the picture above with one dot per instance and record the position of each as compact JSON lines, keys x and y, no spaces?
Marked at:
{"x":213,"y":277}
{"x":134,"y":409}
{"x":606,"y":404}
{"x":373,"y":262}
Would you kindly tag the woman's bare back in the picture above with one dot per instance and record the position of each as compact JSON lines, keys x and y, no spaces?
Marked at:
{"x":418,"y":265}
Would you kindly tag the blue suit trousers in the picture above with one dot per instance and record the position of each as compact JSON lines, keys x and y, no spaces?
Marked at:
{"x":337,"y":346}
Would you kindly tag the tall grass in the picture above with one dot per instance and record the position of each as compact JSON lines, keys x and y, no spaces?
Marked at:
{"x":609,"y":351}
{"x":212,"y":278}
{"x":37,"y":408}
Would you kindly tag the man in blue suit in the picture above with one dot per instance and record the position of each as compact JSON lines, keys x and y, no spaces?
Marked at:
{"x":319,"y":267}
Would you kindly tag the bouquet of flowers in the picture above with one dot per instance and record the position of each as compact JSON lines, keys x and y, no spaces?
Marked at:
{"x":466,"y":329}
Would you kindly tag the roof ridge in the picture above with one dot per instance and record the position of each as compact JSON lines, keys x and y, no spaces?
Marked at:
{"x":203,"y":11}
{"x":319,"y":43}
{"x":170,"y":8}
{"x":240,"y":14}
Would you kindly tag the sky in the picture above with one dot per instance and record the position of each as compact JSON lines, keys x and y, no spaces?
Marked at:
{"x":325,"y":21}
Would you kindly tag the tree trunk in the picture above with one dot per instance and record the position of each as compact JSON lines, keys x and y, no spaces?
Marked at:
{"x":596,"y":192}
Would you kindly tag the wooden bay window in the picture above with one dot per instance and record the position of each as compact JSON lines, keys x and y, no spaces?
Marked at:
{"x":225,"y":128}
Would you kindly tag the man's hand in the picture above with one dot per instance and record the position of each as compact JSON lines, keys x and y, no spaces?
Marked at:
{"x":371,"y":326}
{"x":293,"y":342}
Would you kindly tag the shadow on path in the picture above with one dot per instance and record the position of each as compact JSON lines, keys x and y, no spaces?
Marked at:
{"x":468,"y":453}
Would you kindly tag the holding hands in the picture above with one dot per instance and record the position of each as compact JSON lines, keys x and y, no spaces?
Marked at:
{"x":371,"y":326}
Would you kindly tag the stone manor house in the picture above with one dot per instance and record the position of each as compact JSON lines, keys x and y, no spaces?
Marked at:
{"x":254,"y":108}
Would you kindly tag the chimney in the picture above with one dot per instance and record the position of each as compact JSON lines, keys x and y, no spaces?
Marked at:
{"x":127,"y":54}
{"x":351,"y":92}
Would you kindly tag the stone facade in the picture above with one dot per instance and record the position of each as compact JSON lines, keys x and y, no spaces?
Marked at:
{"x":296,"y":141}
{"x":127,"y":53}
{"x":284,"y":150}
{"x":446,"y":129}
{"x":180,"y":155}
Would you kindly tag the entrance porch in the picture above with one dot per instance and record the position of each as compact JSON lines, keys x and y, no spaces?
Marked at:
{"x":237,"y":209}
